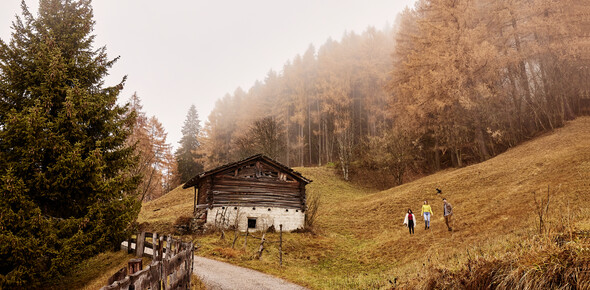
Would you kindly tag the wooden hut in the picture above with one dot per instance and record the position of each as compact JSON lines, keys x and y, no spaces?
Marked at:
{"x":254,"y":193}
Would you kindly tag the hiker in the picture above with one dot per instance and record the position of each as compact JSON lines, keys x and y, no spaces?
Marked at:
{"x":426,"y":213}
{"x":409,"y":221}
{"x":448,"y":213}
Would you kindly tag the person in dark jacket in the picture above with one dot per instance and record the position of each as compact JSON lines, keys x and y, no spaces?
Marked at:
{"x":448,"y":213}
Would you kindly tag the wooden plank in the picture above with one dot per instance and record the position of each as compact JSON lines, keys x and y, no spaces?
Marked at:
{"x":237,"y":193}
{"x":125,"y":283}
{"x":251,"y":187}
{"x":255,"y":188}
{"x":257,"y":191}
{"x":289,"y":206}
{"x":178,"y":280}
{"x":226,"y":196}
{"x":129,"y":240}
{"x":175,"y":261}
{"x":139,"y":279}
{"x":260,"y":205}
{"x":168,"y":247}
{"x":155,"y":251}
{"x":255,"y":199}
{"x":165,"y":273}
{"x":139,"y":248}
{"x":161,"y":248}
{"x":117,"y":276}
{"x":155,"y":273}
{"x":253,"y":181}
{"x":115,"y":286}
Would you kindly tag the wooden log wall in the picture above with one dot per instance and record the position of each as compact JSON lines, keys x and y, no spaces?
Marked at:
{"x":255,"y":184}
{"x":255,"y":192}
{"x":171,"y":267}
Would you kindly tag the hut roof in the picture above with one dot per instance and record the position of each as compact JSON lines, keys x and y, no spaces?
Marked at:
{"x":296,"y":175}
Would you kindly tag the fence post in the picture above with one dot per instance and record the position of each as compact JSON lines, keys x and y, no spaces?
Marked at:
{"x":139,"y":245}
{"x":281,"y":244}
{"x":246,"y":240}
{"x":192,"y":263}
{"x":134,"y":265}
{"x":160,"y":248}
{"x":129,"y":251}
{"x":261,"y":246}
{"x":155,"y":246}
{"x":169,"y":247}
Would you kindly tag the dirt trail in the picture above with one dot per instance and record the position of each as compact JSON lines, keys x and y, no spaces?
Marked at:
{"x":220,"y":275}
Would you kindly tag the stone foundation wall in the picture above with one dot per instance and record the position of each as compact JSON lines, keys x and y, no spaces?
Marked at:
{"x":264,"y":217}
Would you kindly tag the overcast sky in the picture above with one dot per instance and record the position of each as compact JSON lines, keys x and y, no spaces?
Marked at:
{"x":183,"y":52}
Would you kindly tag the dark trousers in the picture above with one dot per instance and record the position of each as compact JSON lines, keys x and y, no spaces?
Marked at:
{"x":411,"y":226}
{"x":448,"y":222}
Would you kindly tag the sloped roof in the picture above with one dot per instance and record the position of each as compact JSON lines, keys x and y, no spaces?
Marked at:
{"x":195,"y":180}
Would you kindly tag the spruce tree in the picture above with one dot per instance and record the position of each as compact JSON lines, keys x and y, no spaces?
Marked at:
{"x":186,"y":155}
{"x":64,"y":165}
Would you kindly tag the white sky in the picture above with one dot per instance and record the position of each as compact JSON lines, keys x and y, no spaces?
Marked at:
{"x":188,"y":52}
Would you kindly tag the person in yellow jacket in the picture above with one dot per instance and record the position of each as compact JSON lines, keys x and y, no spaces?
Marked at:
{"x":426,"y":213}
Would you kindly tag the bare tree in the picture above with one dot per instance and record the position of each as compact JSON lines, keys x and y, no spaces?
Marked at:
{"x":264,"y":136}
{"x":542,"y":208}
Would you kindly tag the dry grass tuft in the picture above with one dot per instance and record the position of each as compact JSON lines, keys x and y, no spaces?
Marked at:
{"x":547,"y":266}
{"x":183,"y":220}
{"x":226,"y":253}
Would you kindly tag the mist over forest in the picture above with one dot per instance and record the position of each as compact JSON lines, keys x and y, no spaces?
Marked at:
{"x":451,"y":83}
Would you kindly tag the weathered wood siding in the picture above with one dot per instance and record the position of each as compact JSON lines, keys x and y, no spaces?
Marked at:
{"x":253,"y":184}
{"x":203,"y":190}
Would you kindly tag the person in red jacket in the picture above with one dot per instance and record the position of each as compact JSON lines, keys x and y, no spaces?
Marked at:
{"x":410,"y":221}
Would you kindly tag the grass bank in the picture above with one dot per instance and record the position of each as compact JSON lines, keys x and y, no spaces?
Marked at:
{"x":360,"y":242}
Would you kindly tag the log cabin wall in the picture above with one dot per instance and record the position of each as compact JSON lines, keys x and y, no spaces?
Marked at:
{"x":204,"y":187}
{"x":255,"y":183}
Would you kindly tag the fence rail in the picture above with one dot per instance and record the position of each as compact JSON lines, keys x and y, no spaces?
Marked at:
{"x":171,"y":267}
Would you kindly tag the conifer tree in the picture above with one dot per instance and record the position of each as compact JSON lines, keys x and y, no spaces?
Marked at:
{"x":63,"y":160}
{"x":186,"y":154}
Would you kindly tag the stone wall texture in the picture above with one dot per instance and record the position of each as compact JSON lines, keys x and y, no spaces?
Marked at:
{"x":291,"y":219}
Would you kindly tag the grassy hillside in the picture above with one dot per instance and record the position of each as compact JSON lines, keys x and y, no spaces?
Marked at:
{"x":163,"y":212}
{"x":360,"y":241}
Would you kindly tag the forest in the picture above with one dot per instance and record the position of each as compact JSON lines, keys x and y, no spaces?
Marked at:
{"x":450,"y":83}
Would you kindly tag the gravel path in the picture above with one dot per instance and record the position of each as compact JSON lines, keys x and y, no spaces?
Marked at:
{"x":220,"y":275}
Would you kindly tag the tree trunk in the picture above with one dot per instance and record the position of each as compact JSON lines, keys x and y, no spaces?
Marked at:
{"x":436,"y":156}
{"x":483,"y":149}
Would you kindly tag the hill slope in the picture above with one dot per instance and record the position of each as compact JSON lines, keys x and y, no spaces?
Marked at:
{"x":361,"y":242}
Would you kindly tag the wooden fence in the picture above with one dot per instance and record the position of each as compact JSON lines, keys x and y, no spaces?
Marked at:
{"x":171,"y":267}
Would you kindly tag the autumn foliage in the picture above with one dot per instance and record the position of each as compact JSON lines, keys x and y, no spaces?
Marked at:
{"x":462,"y":79}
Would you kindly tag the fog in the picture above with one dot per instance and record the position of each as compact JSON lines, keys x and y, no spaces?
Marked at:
{"x":194,"y":52}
